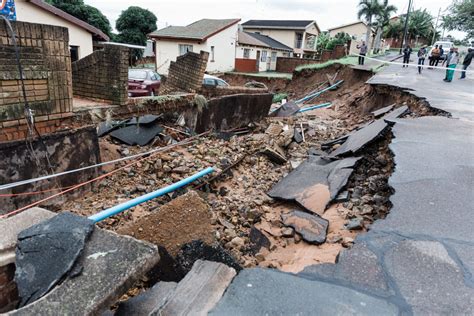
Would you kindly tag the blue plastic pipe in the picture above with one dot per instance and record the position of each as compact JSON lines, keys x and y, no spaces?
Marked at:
{"x":319,"y":106}
{"x":149,"y":196}
{"x":316,"y":94}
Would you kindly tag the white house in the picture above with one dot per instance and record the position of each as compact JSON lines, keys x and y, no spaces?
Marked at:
{"x":357,"y":30}
{"x":218,"y":37}
{"x":81,"y":34}
{"x":256,"y":52}
{"x":301,"y":35}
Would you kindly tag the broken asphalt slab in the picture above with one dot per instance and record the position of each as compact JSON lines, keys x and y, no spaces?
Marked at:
{"x":111,"y":264}
{"x":364,"y":136}
{"x":315,"y":182}
{"x":47,"y":252}
{"x":383,"y":111}
{"x":288,"y":109}
{"x":312,"y":228}
{"x":269,"y":292}
{"x":137,"y":134}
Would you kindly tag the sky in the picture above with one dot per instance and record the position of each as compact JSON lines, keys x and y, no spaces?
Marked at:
{"x":327,"y":13}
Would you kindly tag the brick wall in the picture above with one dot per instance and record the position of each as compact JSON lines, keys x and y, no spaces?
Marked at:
{"x":103,"y":75}
{"x":44,"y":54}
{"x":246,"y":65}
{"x":8,"y":289}
{"x":186,"y":73}
{"x":209,"y":91}
{"x":288,"y":64}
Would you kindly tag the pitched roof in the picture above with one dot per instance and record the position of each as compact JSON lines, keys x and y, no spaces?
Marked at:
{"x":255,"y":39}
{"x":278,"y":23}
{"x":199,"y":30}
{"x":72,"y":19}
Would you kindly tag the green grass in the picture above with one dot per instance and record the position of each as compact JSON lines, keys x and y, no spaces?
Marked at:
{"x":280,"y":75}
{"x":349,"y":60}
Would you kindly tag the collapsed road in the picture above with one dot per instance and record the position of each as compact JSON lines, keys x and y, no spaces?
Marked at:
{"x":256,"y":214}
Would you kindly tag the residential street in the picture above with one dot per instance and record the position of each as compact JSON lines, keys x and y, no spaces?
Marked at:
{"x":420,"y":258}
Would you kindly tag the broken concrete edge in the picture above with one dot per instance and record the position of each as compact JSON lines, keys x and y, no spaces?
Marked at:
{"x":12,"y":226}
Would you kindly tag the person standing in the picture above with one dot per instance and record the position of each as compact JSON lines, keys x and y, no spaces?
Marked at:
{"x":467,"y":62}
{"x":406,"y":55}
{"x":421,"y":58}
{"x":447,"y":61}
{"x":441,"y":53}
{"x":453,"y":62}
{"x":362,"y":52}
{"x":435,"y":53}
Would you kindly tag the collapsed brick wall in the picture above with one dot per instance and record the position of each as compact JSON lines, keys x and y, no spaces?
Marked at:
{"x":216,"y":91}
{"x":102,"y":75}
{"x":45,"y":57}
{"x":8,"y":289}
{"x":186,"y":73}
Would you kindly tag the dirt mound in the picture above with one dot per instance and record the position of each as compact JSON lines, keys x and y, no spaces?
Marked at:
{"x":174,"y":224}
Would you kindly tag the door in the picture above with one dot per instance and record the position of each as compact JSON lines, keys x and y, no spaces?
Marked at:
{"x":258,"y":61}
{"x":273,"y":61}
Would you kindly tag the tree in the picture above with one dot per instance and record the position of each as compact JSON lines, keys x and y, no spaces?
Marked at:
{"x":461,"y":17}
{"x":339,"y":39}
{"x":382,"y":20}
{"x":134,"y":24}
{"x":420,"y":24}
{"x":84,"y":12}
{"x":368,"y":9}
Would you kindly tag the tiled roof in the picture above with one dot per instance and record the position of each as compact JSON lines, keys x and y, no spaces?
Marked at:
{"x":261,"y":40}
{"x":278,"y":23}
{"x":199,"y":30}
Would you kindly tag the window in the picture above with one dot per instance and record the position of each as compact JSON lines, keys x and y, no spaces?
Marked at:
{"x":212,"y":53}
{"x":74,"y":53}
{"x":274,"y":56}
{"x":221,"y":83}
{"x":264,"y":56}
{"x":137,"y":74}
{"x":183,"y":49}
{"x":299,"y":40}
{"x":246,"y":53}
{"x":209,"y":82}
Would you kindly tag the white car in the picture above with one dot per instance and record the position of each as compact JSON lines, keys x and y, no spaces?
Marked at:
{"x":446,"y":48}
{"x":213,"y":81}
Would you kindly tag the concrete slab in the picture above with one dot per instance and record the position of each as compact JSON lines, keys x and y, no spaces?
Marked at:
{"x":46,"y":253}
{"x":199,"y":291}
{"x":269,"y":292}
{"x":111,"y":265}
{"x":314,"y":183}
{"x":12,"y":226}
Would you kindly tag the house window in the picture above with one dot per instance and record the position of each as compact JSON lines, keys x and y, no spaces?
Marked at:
{"x":264,"y":56}
{"x":183,"y":49}
{"x":212,"y":53}
{"x":74,"y":53}
{"x":274,"y":56}
{"x":246,"y":53}
{"x":299,"y":40}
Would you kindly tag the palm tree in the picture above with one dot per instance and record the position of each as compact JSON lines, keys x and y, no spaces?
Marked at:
{"x":382,"y":20}
{"x":420,"y":24}
{"x":368,"y":9}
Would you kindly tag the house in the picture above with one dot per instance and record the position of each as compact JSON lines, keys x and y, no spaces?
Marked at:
{"x":357,"y":30}
{"x":81,"y":34}
{"x":218,"y":37}
{"x":257,"y":52}
{"x":300,"y":35}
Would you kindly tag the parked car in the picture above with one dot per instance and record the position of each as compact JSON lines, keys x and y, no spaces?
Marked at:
{"x":143,"y":82}
{"x":211,"y":81}
{"x":446,"y":47}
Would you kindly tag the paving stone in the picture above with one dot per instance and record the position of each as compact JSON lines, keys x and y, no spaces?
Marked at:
{"x":199,"y":291}
{"x":47,"y":252}
{"x":429,"y":279}
{"x":364,"y":136}
{"x":312,"y":228}
{"x":12,"y":226}
{"x":269,"y":292}
{"x":148,"y":301}
{"x":111,"y":265}
{"x":315,"y":182}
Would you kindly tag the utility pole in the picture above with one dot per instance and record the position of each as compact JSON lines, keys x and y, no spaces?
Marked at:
{"x":436,"y":27}
{"x":406,"y":26}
